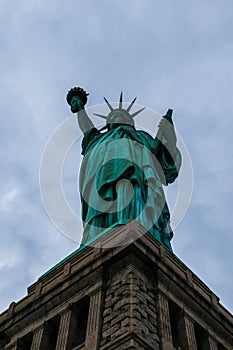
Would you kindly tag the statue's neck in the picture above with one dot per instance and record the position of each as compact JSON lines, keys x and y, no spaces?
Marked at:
{"x":117,"y":125}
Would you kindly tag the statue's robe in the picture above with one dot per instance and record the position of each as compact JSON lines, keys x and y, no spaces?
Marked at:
{"x":126,"y":153}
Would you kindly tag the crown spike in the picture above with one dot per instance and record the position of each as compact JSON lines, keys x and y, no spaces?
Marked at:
{"x":101,"y":115}
{"x":109,"y":106}
{"x":136,"y":113}
{"x":120,"y":102}
{"x":131,"y":104}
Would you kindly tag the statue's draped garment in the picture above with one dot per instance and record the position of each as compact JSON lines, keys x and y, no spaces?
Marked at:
{"x":124,"y":153}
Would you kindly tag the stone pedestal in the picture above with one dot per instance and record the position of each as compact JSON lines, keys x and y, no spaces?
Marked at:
{"x":126,"y":293}
{"x":165,"y":323}
{"x":188,"y":338}
{"x":40,"y":338}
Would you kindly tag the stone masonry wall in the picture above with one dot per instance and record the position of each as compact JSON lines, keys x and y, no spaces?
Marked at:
{"x":130,"y":308}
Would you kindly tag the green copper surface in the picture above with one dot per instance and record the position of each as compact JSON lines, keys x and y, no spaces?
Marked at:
{"x":147,"y":163}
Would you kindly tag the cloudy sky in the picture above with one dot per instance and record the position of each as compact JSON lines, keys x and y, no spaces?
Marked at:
{"x":171,"y":54}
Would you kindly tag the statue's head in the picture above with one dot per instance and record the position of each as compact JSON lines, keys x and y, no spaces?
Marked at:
{"x":119,"y":115}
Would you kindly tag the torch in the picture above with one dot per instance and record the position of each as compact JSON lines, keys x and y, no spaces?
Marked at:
{"x":76,"y":98}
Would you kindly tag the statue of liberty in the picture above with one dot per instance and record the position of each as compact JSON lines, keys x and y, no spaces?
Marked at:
{"x":108,"y":177}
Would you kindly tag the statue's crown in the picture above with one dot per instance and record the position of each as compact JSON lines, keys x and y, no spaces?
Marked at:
{"x":120,"y":114}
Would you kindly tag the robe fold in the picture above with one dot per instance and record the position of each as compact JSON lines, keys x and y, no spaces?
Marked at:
{"x":121,"y":179}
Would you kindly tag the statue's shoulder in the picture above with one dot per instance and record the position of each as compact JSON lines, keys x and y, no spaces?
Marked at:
{"x":88,"y":138}
{"x":91,"y":132}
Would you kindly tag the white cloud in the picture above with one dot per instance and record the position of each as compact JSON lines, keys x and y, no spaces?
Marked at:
{"x":7,"y":199}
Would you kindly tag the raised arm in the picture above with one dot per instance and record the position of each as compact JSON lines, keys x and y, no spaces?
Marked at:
{"x":77,"y":99}
{"x":84,"y":121}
